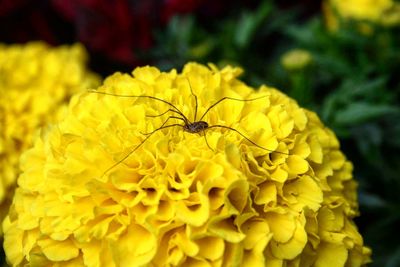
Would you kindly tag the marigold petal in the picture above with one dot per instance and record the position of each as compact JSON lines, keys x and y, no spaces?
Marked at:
{"x":195,"y":210}
{"x":233,"y":255}
{"x":274,"y":262}
{"x":147,"y":74}
{"x":281,"y":122}
{"x":266,"y":194}
{"x":337,"y":159}
{"x":293,"y":247}
{"x":301,"y":147}
{"x":279,"y":174}
{"x":236,"y":196}
{"x":300,"y":119}
{"x":211,"y":248}
{"x":92,"y":253}
{"x":13,"y":241}
{"x":251,"y":259}
{"x":58,"y":250}
{"x":306,"y":191}
{"x":331,"y":255}
{"x":256,"y":232}
{"x":296,"y":164}
{"x":282,"y":226}
{"x":316,"y":154}
{"x":135,"y":248}
{"x":224,"y":227}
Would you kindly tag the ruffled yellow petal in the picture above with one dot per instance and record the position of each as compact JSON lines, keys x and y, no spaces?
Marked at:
{"x":211,"y":248}
{"x":194,"y":210}
{"x":225,"y":227}
{"x":257,"y":233}
{"x":266,"y":194}
{"x":14,"y":242}
{"x":279,"y":175}
{"x":294,"y":246}
{"x":58,"y":250}
{"x":282,"y":226}
{"x":92,"y":253}
{"x":304,"y":192}
{"x":331,"y":255}
{"x":296,"y":164}
{"x":135,"y":247}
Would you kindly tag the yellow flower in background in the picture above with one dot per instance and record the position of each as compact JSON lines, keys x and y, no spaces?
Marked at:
{"x":35,"y":81}
{"x":275,"y":191}
{"x":359,"y":10}
{"x":296,"y":59}
{"x":391,"y":17}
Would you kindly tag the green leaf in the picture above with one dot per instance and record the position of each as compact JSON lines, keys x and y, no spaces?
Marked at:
{"x":356,"y":88}
{"x":394,"y":259}
{"x":248,"y":24}
{"x":360,"y":112}
{"x":371,"y":200}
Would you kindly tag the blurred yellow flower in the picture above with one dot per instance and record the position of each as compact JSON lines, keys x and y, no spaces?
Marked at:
{"x":35,"y":80}
{"x":296,"y":59}
{"x":359,"y":10}
{"x":284,"y":197}
{"x":391,"y":17}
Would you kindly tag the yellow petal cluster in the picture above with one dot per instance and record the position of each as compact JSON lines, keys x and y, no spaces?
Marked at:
{"x":35,"y":80}
{"x":282,"y":197}
{"x":359,"y":10}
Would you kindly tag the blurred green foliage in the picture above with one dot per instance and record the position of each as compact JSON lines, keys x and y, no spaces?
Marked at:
{"x":353,"y":83}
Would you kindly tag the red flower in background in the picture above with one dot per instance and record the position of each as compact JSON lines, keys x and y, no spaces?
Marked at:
{"x":25,"y":20}
{"x":116,"y":33}
{"x":173,"y":7}
{"x":118,"y":29}
{"x":113,"y":28}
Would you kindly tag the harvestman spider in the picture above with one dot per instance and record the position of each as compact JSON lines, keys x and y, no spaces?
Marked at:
{"x":197,"y":126}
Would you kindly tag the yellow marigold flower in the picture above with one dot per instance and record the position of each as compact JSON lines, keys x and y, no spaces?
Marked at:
{"x":35,"y":80}
{"x":284,"y":196}
{"x":360,"y":10}
{"x":296,"y":59}
{"x":391,"y":17}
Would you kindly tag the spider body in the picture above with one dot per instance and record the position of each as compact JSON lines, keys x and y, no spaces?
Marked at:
{"x":195,"y":127}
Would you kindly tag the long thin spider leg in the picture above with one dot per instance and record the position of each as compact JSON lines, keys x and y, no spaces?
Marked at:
{"x":159,"y":115}
{"x":248,"y":139}
{"x":205,"y":138}
{"x":165,"y":127}
{"x":126,"y":156}
{"x":144,"y":96}
{"x":229,"y":98}
{"x":137,"y":147}
{"x":195,"y":99}
{"x":165,"y":122}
